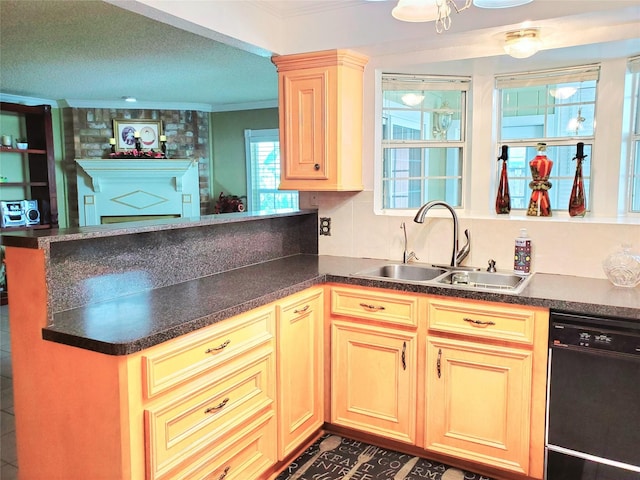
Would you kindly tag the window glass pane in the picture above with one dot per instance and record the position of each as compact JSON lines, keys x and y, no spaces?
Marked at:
{"x":263,"y":175}
{"x":634,"y":184}
{"x":422,"y":115}
{"x":423,"y":134}
{"x":559,"y":113}
{"x":635,"y":180}
{"x":413,"y":176}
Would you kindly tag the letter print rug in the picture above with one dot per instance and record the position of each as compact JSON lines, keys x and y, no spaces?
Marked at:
{"x":333,"y":457}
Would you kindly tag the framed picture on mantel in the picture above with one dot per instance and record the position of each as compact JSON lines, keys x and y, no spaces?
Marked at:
{"x":125,"y":131}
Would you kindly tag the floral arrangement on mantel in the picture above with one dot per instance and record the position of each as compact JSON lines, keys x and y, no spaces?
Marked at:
{"x":142,"y":154}
{"x":228,"y":204}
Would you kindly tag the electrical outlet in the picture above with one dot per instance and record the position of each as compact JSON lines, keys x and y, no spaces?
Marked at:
{"x":313,"y":201}
{"x":325,"y":226}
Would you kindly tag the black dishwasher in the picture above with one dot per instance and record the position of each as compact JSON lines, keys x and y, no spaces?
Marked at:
{"x":593,"y":399}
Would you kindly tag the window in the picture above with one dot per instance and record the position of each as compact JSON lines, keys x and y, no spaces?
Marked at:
{"x":423,"y":139}
{"x":263,"y":172}
{"x":553,"y":107}
{"x":634,"y":177}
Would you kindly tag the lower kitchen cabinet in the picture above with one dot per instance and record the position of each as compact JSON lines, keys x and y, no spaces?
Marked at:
{"x":373,"y":380}
{"x":222,"y":378}
{"x":478,"y":400}
{"x":485,"y":383}
{"x":300,"y":368}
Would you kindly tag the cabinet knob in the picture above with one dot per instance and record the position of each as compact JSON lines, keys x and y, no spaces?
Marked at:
{"x":316,"y":167}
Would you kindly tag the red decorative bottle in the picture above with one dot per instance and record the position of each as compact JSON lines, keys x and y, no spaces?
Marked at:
{"x":503,"y":199}
{"x":541,"y":165}
{"x":577,"y":200}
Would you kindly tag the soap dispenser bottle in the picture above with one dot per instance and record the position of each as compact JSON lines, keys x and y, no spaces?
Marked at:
{"x":522,"y":257}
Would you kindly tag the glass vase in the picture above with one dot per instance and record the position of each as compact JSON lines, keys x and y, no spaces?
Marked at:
{"x":622,"y":267}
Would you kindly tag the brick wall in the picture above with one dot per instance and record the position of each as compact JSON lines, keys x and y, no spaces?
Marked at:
{"x":88,"y":130}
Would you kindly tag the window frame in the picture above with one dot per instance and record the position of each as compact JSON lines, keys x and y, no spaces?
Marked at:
{"x":633,"y":164}
{"x":543,"y":79}
{"x":426,"y":82}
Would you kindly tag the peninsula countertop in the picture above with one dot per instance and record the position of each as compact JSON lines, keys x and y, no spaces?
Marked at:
{"x":131,"y":323}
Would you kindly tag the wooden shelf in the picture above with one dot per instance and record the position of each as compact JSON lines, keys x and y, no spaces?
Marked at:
{"x":23,"y":184}
{"x":42,"y":226}
{"x":22,"y":150}
{"x":35,"y":125}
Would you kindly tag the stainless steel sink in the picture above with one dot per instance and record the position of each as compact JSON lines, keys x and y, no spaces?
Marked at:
{"x":491,"y":281}
{"x":408,"y":273}
{"x":461,"y":277}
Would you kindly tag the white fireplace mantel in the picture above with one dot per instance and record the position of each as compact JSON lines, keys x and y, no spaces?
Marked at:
{"x":134,"y":170}
{"x":117,"y":189}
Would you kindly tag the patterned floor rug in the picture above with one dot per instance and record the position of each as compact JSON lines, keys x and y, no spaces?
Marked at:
{"x":333,"y":457}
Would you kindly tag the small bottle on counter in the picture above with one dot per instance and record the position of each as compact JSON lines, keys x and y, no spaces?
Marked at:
{"x":522,"y":257}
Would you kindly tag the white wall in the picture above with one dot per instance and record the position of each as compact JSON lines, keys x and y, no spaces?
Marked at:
{"x":562,"y":245}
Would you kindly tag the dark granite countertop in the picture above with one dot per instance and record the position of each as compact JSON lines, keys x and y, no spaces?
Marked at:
{"x":134,"y":322}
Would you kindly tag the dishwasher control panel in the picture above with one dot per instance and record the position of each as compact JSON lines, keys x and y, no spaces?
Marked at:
{"x":611,"y":335}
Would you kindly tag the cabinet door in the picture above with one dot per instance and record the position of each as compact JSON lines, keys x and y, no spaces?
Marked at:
{"x":373,"y":380}
{"x":300,"y":368}
{"x":478,"y":403}
{"x":305,"y":107}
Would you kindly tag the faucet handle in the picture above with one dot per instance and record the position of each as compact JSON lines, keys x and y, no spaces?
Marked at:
{"x":492,"y":266}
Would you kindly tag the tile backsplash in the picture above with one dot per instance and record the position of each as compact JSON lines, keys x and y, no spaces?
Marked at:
{"x":565,"y":246}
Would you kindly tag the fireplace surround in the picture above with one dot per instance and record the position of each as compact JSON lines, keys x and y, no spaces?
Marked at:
{"x":111,"y":189}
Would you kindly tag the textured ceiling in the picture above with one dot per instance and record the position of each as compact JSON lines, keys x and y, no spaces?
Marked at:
{"x":93,"y":50}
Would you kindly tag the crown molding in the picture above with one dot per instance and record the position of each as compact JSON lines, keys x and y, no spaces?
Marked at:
{"x":10,"y":98}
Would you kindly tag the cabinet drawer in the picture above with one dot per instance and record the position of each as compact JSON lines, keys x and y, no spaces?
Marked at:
{"x":168,"y":366}
{"x":241,"y":456}
{"x":199,"y":417}
{"x":482,"y":320}
{"x":385,"y":307}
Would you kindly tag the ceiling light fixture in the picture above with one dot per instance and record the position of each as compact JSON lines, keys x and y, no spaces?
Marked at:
{"x":500,"y":3}
{"x":440,"y":10}
{"x":412,"y":99}
{"x":522,"y":43}
{"x":129,"y":99}
{"x":562,"y":93}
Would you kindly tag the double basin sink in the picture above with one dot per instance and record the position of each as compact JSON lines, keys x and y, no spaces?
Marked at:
{"x":502,"y":282}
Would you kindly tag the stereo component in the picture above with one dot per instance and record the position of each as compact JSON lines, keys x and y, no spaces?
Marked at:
{"x":19,"y":213}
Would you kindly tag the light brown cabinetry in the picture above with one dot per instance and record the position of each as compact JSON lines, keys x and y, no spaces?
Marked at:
{"x":374,"y":362}
{"x":321,"y":120}
{"x":300,"y":368}
{"x":485,"y":383}
{"x":211,"y":395}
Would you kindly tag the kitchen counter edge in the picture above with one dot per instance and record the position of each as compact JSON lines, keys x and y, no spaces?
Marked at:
{"x":162,"y":314}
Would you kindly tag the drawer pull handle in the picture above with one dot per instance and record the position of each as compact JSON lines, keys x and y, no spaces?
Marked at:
{"x":371,"y":307}
{"x":404,"y":356}
{"x":222,"y":346}
{"x":217,"y":407}
{"x":302,"y":310}
{"x":224,"y":473}
{"x":439,"y":363}
{"x":479,"y":323}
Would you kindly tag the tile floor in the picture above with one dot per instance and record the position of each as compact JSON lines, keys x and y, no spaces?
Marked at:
{"x":9,"y":469}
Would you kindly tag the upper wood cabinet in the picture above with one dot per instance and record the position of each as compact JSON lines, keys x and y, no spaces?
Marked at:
{"x":321,"y":120}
